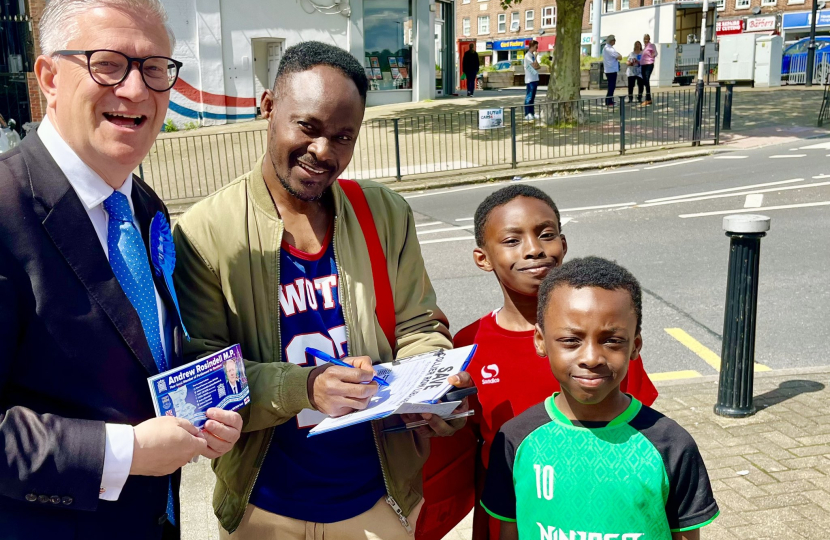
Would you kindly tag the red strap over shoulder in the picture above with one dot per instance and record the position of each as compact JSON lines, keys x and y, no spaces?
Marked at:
{"x":384,"y":301}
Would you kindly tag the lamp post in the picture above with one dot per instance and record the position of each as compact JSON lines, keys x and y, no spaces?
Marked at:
{"x":595,"y":28}
{"x":699,"y":88}
{"x":811,"y":48}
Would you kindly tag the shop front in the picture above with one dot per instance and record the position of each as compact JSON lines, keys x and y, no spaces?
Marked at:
{"x":509,"y":49}
{"x":795,"y":26}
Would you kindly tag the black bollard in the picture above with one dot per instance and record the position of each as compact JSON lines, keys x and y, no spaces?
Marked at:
{"x":727,"y":107}
{"x":737,"y":371}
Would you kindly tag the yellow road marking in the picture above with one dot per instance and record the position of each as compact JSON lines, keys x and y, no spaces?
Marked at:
{"x":673,"y":375}
{"x":701,"y":350}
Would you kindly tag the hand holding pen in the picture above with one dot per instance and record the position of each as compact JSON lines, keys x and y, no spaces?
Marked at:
{"x":336,"y":390}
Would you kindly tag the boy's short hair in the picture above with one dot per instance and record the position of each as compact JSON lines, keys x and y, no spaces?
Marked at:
{"x":504,"y":196}
{"x":590,"y":272}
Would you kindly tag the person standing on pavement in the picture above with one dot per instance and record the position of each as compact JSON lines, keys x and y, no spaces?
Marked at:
{"x":647,"y":65}
{"x":277,"y":261}
{"x":86,"y":315}
{"x":531,"y":65}
{"x":634,"y":74}
{"x":470,"y":64}
{"x":611,"y":64}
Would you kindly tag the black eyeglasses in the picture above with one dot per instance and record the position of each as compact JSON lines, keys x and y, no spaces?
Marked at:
{"x":110,"y":68}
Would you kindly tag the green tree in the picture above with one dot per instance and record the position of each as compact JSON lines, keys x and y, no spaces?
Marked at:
{"x":564,"y":73}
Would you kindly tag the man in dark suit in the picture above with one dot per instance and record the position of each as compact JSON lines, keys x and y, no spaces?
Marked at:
{"x":84,"y":316}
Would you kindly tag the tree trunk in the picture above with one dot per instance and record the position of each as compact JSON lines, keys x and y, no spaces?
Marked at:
{"x":565,"y":76}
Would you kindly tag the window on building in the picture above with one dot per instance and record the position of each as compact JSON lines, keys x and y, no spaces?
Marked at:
{"x":742,"y":4}
{"x":549,"y":17}
{"x":624,"y":4}
{"x":502,"y":23}
{"x":529,"y":19}
{"x":769,"y":2}
{"x":465,"y":2}
{"x":465,"y":26}
{"x":590,"y":12}
{"x":514,"y":21}
{"x":484,"y":25}
{"x":609,"y":6}
{"x":721,"y":5}
{"x":388,"y":34}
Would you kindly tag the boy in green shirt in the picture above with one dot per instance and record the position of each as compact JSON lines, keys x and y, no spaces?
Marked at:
{"x":590,"y":462}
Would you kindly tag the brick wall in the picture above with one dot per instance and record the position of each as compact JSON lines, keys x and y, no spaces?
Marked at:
{"x":492,"y":8}
{"x":37,"y":102}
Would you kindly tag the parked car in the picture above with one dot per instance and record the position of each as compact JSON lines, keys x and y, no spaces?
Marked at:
{"x":795,"y":55}
{"x":504,"y":65}
{"x":8,"y":136}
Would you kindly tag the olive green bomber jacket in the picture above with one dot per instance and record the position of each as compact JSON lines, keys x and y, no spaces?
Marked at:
{"x":227,"y":279}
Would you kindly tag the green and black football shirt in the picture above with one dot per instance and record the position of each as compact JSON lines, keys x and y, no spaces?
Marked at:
{"x":638,"y":477}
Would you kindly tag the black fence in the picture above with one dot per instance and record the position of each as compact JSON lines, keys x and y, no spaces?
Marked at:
{"x":192,"y":166}
{"x":824,"y":111}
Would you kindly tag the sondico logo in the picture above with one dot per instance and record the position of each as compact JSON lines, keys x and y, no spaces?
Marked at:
{"x":490,"y":374}
{"x":552,"y":533}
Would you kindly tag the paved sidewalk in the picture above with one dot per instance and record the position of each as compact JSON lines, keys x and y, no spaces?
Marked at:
{"x":770,"y":472}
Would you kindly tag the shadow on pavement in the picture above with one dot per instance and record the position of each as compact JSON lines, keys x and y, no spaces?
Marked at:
{"x":786,"y":390}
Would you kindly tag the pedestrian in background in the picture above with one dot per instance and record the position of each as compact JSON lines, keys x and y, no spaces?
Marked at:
{"x":470,"y":64}
{"x":634,"y":73}
{"x":647,"y":65}
{"x":611,"y":63}
{"x":531,"y":65}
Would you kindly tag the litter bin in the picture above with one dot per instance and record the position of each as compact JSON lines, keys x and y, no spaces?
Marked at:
{"x":598,"y":79}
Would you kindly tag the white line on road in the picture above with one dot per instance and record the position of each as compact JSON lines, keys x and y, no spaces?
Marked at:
{"x":785,"y":188}
{"x":444,"y":229}
{"x":672,"y":164}
{"x":744,"y":210}
{"x":566,"y":220}
{"x":465,"y":219}
{"x":731,"y":157}
{"x":754,"y":200}
{"x":523,"y":181}
{"x":430,"y":224}
{"x":453,"y":239}
{"x":820,"y":176}
{"x":822,"y":146}
{"x":784,"y":156}
{"x":727,"y":190}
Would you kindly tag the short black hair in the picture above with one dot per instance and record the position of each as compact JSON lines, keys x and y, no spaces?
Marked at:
{"x":504,"y":196}
{"x":590,"y":272}
{"x":309,"y":54}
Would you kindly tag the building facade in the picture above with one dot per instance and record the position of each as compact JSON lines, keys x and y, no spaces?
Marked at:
{"x":20,"y":97}
{"x":231,"y":49}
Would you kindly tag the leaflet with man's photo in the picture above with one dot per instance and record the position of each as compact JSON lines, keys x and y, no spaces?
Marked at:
{"x":190,"y":390}
{"x":416,"y":385}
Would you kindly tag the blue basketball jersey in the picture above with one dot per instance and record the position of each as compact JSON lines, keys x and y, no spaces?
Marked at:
{"x":332,"y":476}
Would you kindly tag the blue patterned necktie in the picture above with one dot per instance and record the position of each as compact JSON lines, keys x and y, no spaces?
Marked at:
{"x":128,"y":259}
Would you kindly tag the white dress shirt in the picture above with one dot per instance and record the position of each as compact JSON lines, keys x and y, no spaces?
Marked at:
{"x":93,"y":191}
{"x":609,"y":59}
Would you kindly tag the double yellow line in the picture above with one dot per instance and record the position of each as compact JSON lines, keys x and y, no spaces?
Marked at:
{"x":702,"y":351}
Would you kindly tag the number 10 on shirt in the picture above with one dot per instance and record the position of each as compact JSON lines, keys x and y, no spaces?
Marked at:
{"x":544,"y":481}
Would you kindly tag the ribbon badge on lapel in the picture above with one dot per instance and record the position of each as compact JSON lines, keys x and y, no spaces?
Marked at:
{"x":163,"y":255}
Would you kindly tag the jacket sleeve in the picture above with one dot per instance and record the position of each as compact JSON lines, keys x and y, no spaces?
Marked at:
{"x":421,"y":325}
{"x":45,"y":455}
{"x":278,"y":389}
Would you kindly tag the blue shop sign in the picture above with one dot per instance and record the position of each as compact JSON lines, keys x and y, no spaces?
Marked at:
{"x":802,"y":19}
{"x":510,"y":44}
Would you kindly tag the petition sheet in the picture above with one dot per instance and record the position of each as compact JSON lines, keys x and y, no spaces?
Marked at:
{"x":416,"y":384}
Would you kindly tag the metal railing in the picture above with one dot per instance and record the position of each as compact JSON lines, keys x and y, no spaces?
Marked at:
{"x":797,"y":73}
{"x":192,"y":166}
{"x":824,"y":111}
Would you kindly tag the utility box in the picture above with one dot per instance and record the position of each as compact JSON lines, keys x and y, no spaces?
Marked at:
{"x":768,"y":54}
{"x":737,"y":58}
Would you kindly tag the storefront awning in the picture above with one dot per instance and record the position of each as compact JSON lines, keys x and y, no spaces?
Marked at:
{"x":546,"y":43}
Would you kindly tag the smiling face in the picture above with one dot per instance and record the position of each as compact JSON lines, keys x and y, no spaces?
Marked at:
{"x":111,"y":128}
{"x":314,"y":121}
{"x":589,"y":335}
{"x":230,"y":371}
{"x":522,"y":243}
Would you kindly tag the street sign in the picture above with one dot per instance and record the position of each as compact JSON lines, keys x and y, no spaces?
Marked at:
{"x":490,"y":118}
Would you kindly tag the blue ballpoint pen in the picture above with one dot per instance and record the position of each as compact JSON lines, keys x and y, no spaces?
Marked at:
{"x":329,"y":358}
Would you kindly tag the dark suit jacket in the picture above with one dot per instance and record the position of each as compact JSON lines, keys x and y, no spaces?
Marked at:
{"x":73,"y":356}
{"x":470,"y":62}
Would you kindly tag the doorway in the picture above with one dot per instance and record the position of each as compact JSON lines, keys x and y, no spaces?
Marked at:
{"x":444,"y":53}
{"x":267,"y":55}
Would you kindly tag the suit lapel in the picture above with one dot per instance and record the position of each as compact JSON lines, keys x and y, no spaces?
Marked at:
{"x":66,"y":221}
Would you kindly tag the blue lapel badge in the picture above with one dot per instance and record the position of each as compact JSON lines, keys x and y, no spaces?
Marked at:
{"x":163,"y":255}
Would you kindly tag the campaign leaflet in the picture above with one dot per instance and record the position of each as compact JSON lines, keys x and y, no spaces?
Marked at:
{"x":190,"y":390}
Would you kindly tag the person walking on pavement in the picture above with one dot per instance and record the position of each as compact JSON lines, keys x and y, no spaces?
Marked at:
{"x":611,"y":63}
{"x":634,"y":74}
{"x":470,"y":64}
{"x":531,"y":65}
{"x":647,"y":65}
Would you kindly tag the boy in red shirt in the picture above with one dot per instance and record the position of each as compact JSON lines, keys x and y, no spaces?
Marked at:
{"x":518,"y":234}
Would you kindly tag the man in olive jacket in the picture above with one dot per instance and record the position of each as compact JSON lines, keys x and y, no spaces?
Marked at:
{"x":277,"y":262}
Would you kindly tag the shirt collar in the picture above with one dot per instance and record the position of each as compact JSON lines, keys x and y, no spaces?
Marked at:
{"x":90,"y":187}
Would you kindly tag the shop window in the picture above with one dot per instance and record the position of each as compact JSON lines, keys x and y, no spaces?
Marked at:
{"x":388,"y":35}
